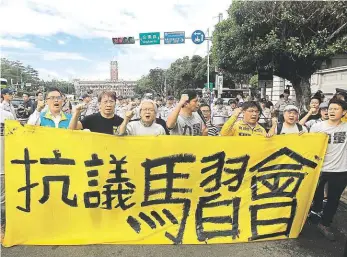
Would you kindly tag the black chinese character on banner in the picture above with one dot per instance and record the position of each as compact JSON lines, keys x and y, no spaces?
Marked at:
{"x":57,"y":160}
{"x":124,"y":188}
{"x":230,"y":220}
{"x":219,"y":168}
{"x":92,"y":198}
{"x":168,"y":194}
{"x":279,"y":182}
{"x":28,"y":185}
{"x":46,"y":180}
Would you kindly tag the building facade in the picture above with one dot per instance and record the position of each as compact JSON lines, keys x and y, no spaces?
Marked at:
{"x":122,"y":88}
{"x":332,"y":75}
{"x":114,"y":71}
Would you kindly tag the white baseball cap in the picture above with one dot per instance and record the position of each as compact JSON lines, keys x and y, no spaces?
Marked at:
{"x":291,"y":107}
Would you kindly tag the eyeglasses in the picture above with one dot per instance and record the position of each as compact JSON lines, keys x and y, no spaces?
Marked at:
{"x":253,"y":111}
{"x":108,"y":102}
{"x":147,"y":110}
{"x":55,"y":98}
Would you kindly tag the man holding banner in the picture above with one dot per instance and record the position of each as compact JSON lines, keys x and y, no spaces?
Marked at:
{"x":185,"y":120}
{"x":146,"y":125}
{"x":54,"y":117}
{"x":249,"y":126}
{"x":334,"y":170}
{"x":105,"y":121}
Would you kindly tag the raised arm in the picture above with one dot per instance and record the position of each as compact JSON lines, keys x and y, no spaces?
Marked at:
{"x":172,"y":118}
{"x":228,"y":126}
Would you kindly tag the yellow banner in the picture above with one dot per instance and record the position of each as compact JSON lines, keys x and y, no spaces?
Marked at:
{"x":74,"y":187}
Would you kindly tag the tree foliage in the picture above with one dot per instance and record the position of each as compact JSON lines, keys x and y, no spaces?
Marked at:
{"x":292,"y":38}
{"x":185,"y":73}
{"x":16,"y":72}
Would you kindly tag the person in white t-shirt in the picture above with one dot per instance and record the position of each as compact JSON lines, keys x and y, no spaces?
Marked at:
{"x":146,"y":125}
{"x":219,"y":114}
{"x":290,"y":124}
{"x":323,"y":109}
{"x":184,"y":120}
{"x":334,"y":170}
{"x":4,"y":115}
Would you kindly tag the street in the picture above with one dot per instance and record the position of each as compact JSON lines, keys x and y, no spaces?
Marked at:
{"x":309,"y":244}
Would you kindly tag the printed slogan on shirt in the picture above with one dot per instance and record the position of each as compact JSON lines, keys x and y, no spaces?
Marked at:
{"x":74,"y":187}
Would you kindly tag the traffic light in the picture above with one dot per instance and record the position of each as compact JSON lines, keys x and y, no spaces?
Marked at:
{"x":123,"y":40}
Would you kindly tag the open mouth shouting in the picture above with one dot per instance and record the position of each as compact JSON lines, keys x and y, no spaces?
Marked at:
{"x":56,"y":105}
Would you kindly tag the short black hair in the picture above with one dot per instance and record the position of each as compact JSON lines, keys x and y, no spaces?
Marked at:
{"x":54,"y":89}
{"x":39,"y":92}
{"x":191,"y":94}
{"x":110,"y":94}
{"x":342,"y":103}
{"x":317,"y":98}
{"x":281,"y":95}
{"x":25,"y":93}
{"x":286,"y":91}
{"x":251,"y":104}
{"x":205,"y":105}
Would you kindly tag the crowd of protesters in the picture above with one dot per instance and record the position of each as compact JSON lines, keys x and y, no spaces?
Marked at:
{"x":188,"y":116}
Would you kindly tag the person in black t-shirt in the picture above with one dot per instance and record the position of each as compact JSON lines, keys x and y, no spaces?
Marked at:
{"x":313,"y":113}
{"x":105,"y":121}
{"x":268,"y":103}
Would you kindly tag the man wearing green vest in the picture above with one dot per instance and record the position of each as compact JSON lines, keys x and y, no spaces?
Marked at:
{"x":54,"y":117}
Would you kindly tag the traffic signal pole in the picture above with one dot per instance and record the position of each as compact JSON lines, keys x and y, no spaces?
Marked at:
{"x":208,"y":59}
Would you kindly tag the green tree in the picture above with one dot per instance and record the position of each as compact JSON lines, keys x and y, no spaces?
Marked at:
{"x":292,"y":38}
{"x":154,"y":83}
{"x":15,"y":72}
{"x":253,"y":82}
{"x":64,"y":86}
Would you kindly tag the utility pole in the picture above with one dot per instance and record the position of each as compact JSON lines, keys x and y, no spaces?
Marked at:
{"x":208,"y":59}
{"x":219,"y":91}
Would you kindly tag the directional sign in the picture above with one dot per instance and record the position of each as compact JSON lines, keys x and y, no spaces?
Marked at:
{"x":198,"y":37}
{"x":150,"y":38}
{"x":176,"y":37}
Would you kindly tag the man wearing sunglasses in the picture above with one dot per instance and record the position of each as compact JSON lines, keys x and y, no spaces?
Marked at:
{"x":54,"y":117}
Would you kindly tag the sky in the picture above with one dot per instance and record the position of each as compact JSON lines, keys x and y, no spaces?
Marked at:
{"x":72,"y":39}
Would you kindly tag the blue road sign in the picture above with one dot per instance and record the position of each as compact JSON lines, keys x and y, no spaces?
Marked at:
{"x":198,"y":37}
{"x":150,"y":38}
{"x":176,"y":37}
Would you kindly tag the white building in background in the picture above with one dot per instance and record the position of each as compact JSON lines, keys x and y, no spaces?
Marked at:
{"x":279,"y":85}
{"x":122,"y":88}
{"x":332,"y":75}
